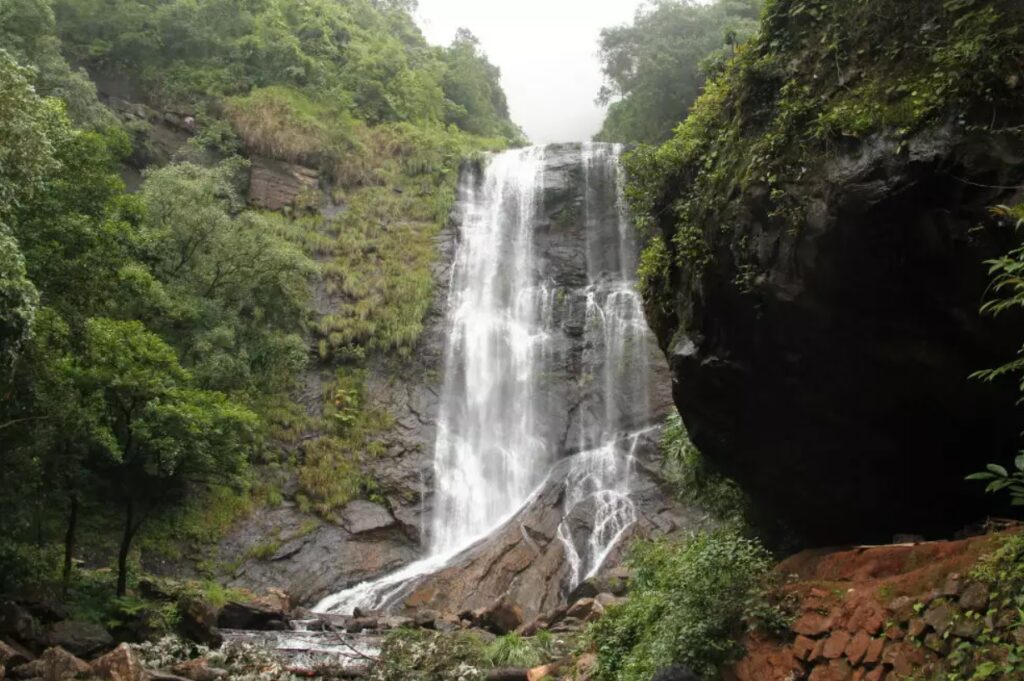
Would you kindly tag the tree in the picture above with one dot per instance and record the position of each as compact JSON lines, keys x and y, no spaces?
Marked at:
{"x":232,"y":291}
{"x":160,"y":434}
{"x":656,"y":68}
{"x":476,"y":103}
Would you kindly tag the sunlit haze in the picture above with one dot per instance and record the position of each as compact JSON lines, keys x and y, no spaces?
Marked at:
{"x":547,"y":52}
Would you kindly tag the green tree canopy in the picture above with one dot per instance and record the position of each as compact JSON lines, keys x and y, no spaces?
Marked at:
{"x":655,"y":68}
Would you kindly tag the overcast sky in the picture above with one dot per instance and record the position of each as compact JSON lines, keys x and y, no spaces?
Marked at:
{"x":547,"y":52}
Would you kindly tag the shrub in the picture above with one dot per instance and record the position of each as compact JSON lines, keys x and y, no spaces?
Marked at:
{"x":420,"y":655}
{"x":694,"y":480}
{"x":689,"y":604}
{"x":512,"y":650}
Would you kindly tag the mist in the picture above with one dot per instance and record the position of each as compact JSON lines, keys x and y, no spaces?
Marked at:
{"x":547,"y":53}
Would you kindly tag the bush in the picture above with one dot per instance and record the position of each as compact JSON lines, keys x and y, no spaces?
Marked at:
{"x":689,"y":604}
{"x":420,"y":655}
{"x":694,"y":480}
{"x":512,"y":650}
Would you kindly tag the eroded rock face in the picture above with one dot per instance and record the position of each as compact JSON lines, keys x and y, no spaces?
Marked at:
{"x":526,"y":560}
{"x":275,"y":184}
{"x":835,"y":389}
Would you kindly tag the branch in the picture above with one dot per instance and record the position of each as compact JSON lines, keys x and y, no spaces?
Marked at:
{"x":342,"y":641}
{"x":15,"y":422}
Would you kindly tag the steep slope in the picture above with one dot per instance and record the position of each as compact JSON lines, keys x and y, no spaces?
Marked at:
{"x":818,"y":227}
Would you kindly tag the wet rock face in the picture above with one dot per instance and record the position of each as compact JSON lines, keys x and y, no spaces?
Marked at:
{"x":836,"y":390}
{"x":309,"y":564}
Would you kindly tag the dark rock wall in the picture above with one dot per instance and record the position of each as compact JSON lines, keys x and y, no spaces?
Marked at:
{"x":836,"y":390}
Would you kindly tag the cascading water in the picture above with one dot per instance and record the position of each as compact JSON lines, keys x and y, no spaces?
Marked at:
{"x":614,"y":377}
{"x":489,"y":455}
{"x":506,"y":329}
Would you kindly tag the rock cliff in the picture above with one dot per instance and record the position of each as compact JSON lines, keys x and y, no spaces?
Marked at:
{"x":819,"y":229}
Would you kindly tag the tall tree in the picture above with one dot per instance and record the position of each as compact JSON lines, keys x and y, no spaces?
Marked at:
{"x":655,"y":68}
{"x":161,"y":434}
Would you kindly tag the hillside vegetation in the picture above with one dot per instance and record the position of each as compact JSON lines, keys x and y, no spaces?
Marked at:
{"x":151,"y":341}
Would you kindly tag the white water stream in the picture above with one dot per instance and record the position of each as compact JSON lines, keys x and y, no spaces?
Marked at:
{"x":490,"y":457}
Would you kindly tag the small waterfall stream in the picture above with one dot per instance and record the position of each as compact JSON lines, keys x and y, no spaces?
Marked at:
{"x":506,"y":330}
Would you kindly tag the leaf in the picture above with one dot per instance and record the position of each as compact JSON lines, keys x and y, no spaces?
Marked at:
{"x":980,"y":476}
{"x":1019,"y":462}
{"x":998,"y":470}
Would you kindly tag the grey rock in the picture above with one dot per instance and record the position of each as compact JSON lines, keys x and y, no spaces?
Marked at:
{"x":974,"y":597}
{"x":79,"y":638}
{"x":361,"y":516}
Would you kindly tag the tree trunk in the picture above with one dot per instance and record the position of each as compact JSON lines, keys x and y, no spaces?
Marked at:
{"x":69,"y":542}
{"x":126,"y":545}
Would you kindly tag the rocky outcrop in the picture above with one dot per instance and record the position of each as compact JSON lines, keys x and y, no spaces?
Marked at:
{"x":820,"y":310}
{"x":525,"y":560}
{"x":310,"y":563}
{"x":80,"y":638}
{"x":275,"y":184}
{"x":879,"y":612}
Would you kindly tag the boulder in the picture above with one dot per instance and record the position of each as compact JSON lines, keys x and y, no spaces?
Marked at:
{"x":17,"y":622}
{"x":447,"y":622}
{"x":58,"y":664}
{"x":425,"y":619}
{"x":252,"y":616}
{"x":585,"y":609}
{"x":12,"y":656}
{"x":502,"y":617}
{"x":676,"y":673}
{"x":361,"y":516}
{"x":29,"y":670}
{"x":975,"y":597}
{"x":120,"y":664}
{"x":608,"y":600}
{"x":359,"y":624}
{"x":197,"y":622}
{"x":79,"y":638}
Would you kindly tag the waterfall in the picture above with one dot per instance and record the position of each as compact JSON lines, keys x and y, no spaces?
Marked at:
{"x":489,"y":455}
{"x":614,"y":376}
{"x":506,"y":331}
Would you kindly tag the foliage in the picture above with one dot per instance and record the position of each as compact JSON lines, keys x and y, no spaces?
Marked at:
{"x":999,"y":478}
{"x":1008,"y":287}
{"x":694,"y":479}
{"x":150,"y":341}
{"x":238,"y":287}
{"x":995,"y":653}
{"x":775,"y":115}
{"x":512,"y":650}
{"x":655,"y":68}
{"x":474,"y":99}
{"x":359,"y":59}
{"x":28,"y":31}
{"x":688,"y":605}
{"x":423,"y":655}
